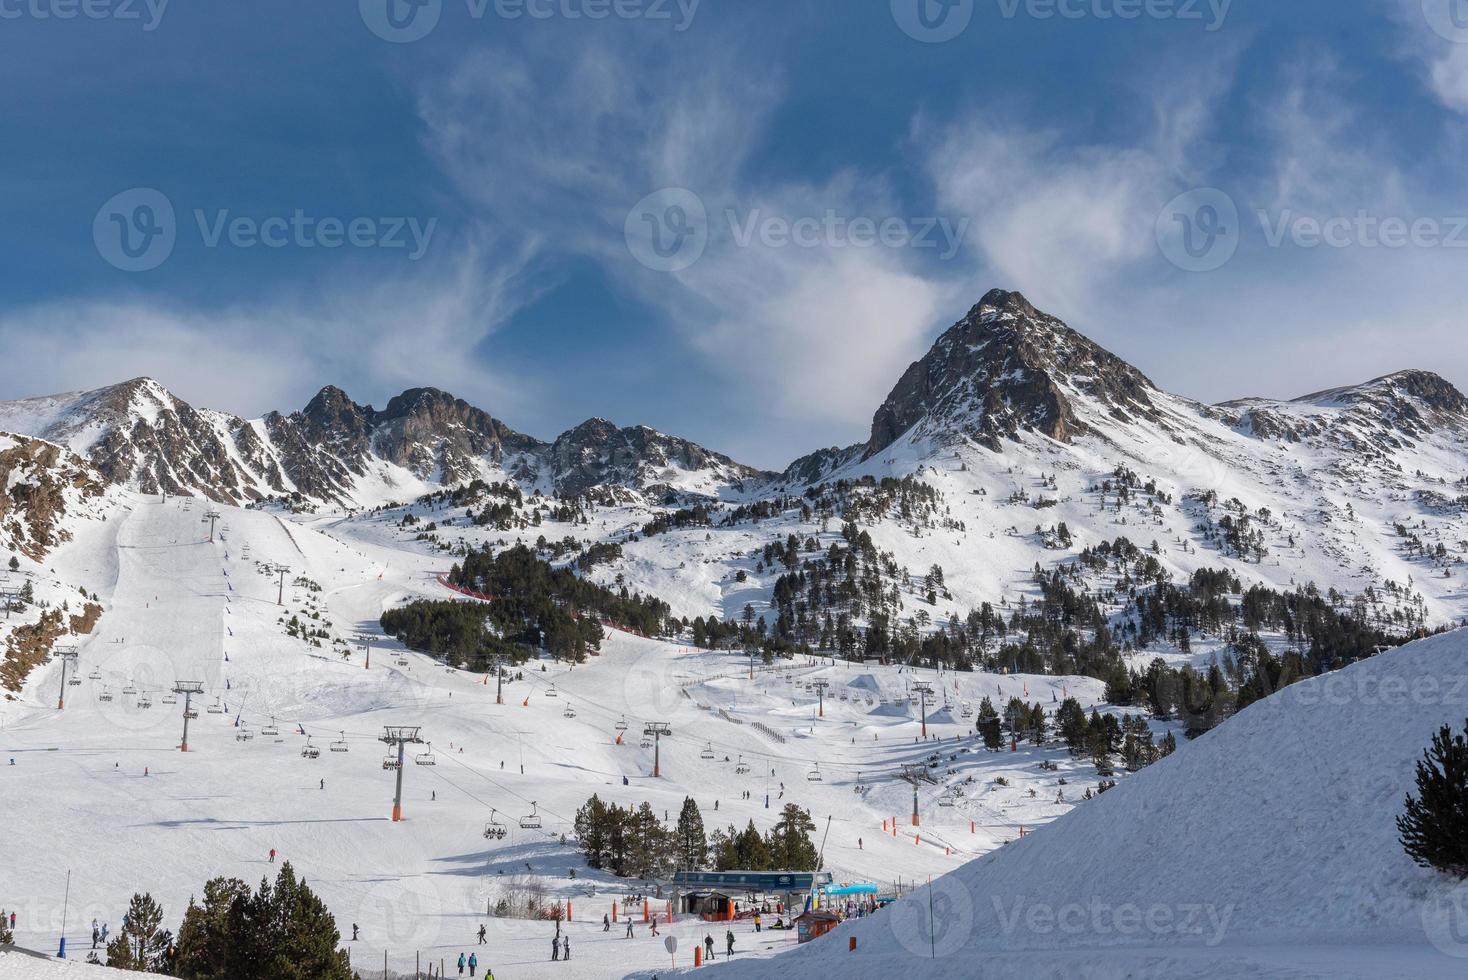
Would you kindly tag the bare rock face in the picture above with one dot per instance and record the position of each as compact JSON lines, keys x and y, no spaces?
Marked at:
{"x":1003,"y":369}
{"x":40,"y":483}
{"x":597,"y":453}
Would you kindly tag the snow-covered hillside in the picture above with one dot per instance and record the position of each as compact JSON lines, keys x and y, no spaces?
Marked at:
{"x":1265,"y":849}
{"x":101,"y":788}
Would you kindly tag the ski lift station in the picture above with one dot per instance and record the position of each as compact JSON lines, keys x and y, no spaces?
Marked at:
{"x":711,"y":895}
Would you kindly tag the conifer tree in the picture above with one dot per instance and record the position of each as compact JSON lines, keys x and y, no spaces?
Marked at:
{"x":1434,"y":828}
{"x":141,"y":945}
{"x":204,"y":938}
{"x":692,"y":843}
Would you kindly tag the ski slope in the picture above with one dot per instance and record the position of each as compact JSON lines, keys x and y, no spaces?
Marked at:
{"x":100,"y":789}
{"x":1266,"y":848}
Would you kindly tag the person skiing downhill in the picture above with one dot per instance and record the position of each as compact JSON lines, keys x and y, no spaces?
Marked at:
{"x":272,"y":855}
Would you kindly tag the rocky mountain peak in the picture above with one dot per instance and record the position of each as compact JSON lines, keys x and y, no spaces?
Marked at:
{"x":1006,"y":368}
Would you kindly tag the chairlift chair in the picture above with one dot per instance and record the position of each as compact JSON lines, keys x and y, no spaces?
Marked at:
{"x":402,"y":661}
{"x":95,"y":675}
{"x":814,"y":776}
{"x":130,"y":689}
{"x":646,"y":742}
{"x":550,"y":692}
{"x":741,"y":767}
{"x":340,"y":745}
{"x":621,"y":726}
{"x":106,"y":695}
{"x":191,"y":714}
{"x":145,"y":702}
{"x":270,"y":729}
{"x":494,"y":830}
{"x":170,"y":698}
{"x":390,"y":762}
{"x":73,"y":681}
{"x":216,"y":708}
{"x":243,"y":735}
{"x":708,"y":751}
{"x":310,"y":751}
{"x":531,"y":820}
{"x":945,"y":800}
{"x":426,"y":758}
{"x":569,"y":712}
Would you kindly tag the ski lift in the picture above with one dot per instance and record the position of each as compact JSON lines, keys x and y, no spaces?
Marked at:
{"x":945,"y":800}
{"x":95,"y":675}
{"x":170,"y":698}
{"x":531,"y":820}
{"x":390,"y":762}
{"x":741,"y":767}
{"x":270,"y":729}
{"x":967,"y":710}
{"x":340,"y":745}
{"x":402,"y":661}
{"x":550,"y":692}
{"x":708,"y":751}
{"x":814,"y":776}
{"x":494,"y":830}
{"x":426,"y":758}
{"x":74,"y":682}
{"x":191,"y":714}
{"x":106,"y":695}
{"x":621,"y":726}
{"x":645,"y":742}
{"x":243,"y":735}
{"x":216,"y":708}
{"x":570,"y":712}
{"x":310,"y":751}
{"x":129,"y":689}
{"x":145,"y":702}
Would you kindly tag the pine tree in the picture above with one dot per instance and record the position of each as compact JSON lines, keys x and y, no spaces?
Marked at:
{"x":27,"y":593}
{"x":789,"y":843}
{"x":988,"y":726}
{"x":692,"y":843}
{"x":14,"y":564}
{"x":284,"y":932}
{"x":204,"y":938}
{"x":141,"y":945}
{"x":1433,"y":827}
{"x":6,"y":936}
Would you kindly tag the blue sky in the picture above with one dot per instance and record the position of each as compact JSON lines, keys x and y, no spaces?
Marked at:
{"x":832,"y":184}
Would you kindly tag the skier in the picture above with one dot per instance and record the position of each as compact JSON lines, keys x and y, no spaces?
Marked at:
{"x":629,"y":929}
{"x":481,"y":936}
{"x":323,"y":783}
{"x":654,"y":925}
{"x":555,"y":949}
{"x":354,"y":932}
{"x":473,"y":963}
{"x":708,"y":947}
{"x":757,"y":923}
{"x":566,"y":947}
{"x":461,"y":964}
{"x":96,"y":934}
{"x":272,"y":855}
{"x":729,"y":942}
{"x":606,"y":923}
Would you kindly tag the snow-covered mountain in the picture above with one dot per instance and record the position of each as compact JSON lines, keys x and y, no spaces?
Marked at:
{"x":336,"y":452}
{"x":41,"y":486}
